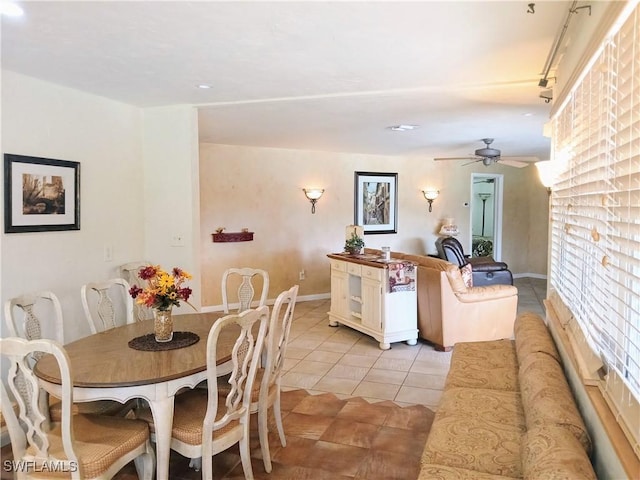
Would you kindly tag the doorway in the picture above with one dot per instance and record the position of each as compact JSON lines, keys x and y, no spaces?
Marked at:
{"x":486,"y":215}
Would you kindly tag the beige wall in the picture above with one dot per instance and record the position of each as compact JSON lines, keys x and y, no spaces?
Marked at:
{"x":261,"y":189}
{"x":46,"y":120}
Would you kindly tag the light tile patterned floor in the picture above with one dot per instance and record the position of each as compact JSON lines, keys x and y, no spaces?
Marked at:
{"x":347,"y":363}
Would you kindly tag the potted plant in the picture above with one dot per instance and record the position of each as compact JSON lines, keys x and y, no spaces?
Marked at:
{"x":354,"y":243}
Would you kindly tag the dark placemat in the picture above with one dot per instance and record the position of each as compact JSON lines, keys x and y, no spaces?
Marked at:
{"x":148,"y":342}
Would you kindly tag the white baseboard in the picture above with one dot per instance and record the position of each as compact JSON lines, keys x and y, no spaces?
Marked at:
{"x":271,"y":301}
{"x":530,"y":275}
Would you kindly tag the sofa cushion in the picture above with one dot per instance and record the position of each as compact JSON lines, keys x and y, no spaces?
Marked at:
{"x":547,"y":399}
{"x":475,"y":445}
{"x":491,"y":364}
{"x":532,"y":336}
{"x":495,"y":407}
{"x":467,"y":432}
{"x":553,"y":453}
{"x":444,"y":472}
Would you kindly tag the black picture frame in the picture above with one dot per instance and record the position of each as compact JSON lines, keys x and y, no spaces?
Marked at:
{"x":40,"y":194}
{"x":376,"y":202}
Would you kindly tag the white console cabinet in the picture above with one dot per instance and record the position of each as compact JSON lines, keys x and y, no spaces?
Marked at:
{"x":360,"y":299}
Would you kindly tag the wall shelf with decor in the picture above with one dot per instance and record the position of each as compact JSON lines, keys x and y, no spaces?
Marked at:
{"x":232,"y":237}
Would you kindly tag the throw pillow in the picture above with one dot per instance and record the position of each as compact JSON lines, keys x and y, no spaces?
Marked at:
{"x":467,"y":275}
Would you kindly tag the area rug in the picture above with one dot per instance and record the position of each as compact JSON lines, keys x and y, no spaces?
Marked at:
{"x":328,"y":438}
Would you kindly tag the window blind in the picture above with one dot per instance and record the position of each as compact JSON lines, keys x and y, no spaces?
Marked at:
{"x":595,"y":213}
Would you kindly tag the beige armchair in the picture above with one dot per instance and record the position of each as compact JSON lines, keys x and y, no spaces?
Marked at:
{"x":449,"y":312}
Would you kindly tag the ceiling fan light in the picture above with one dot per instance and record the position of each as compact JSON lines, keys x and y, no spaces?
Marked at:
{"x":486,"y":161}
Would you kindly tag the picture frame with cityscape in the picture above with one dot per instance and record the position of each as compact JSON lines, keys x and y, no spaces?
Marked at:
{"x":376,"y":202}
{"x":40,"y":194}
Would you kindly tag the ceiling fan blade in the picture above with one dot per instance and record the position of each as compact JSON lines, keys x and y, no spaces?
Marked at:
{"x":519,"y":159}
{"x":513,"y":163}
{"x":470,"y":157}
{"x":469,"y":163}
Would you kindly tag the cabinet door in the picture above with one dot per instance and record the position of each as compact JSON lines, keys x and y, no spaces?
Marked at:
{"x":339,"y":293}
{"x":372,"y":304}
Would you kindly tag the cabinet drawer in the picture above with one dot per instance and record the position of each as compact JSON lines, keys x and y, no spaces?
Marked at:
{"x":354,"y":269}
{"x":338,"y":265}
{"x":372,"y":273}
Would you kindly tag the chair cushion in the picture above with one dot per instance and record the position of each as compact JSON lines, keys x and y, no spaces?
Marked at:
{"x":99,"y":441}
{"x":188,"y":416}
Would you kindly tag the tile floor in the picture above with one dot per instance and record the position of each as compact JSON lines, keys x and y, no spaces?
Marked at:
{"x":327,"y":439}
{"x":323,"y":431}
{"x":347,"y":363}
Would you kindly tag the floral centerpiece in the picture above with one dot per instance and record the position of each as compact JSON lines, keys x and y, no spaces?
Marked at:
{"x":164,"y":290}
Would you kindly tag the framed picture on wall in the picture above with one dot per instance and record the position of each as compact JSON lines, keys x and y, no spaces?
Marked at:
{"x":40,"y":194}
{"x":376,"y":202}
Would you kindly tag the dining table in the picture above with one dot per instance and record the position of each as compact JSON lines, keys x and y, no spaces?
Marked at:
{"x":104,"y":367}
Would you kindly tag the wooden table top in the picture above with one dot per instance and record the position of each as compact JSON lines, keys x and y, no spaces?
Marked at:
{"x":367,"y":259}
{"x":106,"y":360}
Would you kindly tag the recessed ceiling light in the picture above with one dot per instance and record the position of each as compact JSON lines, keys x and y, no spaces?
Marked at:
{"x":204,"y":86}
{"x":10,"y":9}
{"x":528,"y":114}
{"x":402,"y":128}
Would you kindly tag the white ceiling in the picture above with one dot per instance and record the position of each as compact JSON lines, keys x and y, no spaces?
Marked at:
{"x":327,"y":76}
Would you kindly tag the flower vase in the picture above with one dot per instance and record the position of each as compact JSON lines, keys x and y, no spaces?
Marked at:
{"x":162,"y":325}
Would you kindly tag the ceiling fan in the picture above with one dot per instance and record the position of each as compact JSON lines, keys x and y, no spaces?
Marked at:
{"x":489,"y":156}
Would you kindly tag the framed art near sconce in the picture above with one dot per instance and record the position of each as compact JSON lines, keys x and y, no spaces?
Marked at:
{"x":40,"y":194}
{"x":376,"y":202}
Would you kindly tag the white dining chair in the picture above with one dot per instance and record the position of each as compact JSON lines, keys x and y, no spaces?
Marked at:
{"x":243,"y":279}
{"x":129,"y":271}
{"x":266,"y":388}
{"x":37,"y":316}
{"x":207,"y":422}
{"x":107,"y":304}
{"x":24,"y":315}
{"x":85,"y":446}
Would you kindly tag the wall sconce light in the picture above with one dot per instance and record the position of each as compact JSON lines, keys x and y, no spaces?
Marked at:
{"x":547,"y":174}
{"x":431,"y":195}
{"x":313,"y":194}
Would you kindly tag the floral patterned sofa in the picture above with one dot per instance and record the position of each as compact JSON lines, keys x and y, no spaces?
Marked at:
{"x":507,"y":412}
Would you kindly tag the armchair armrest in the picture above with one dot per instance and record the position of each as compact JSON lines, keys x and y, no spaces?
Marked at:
{"x":486,"y":264}
{"x":488,"y":292}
